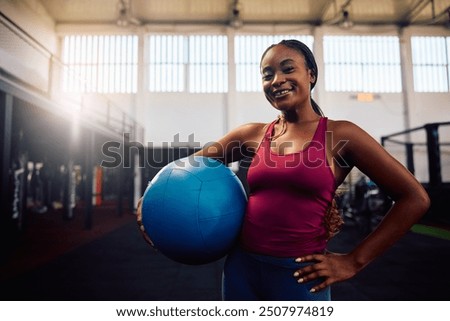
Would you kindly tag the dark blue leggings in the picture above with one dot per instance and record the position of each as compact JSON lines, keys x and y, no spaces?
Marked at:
{"x":253,"y":277}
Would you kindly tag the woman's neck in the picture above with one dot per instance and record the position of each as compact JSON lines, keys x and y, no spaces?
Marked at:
{"x":299,"y":115}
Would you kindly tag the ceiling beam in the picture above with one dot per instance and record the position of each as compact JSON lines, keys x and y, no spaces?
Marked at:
{"x":325,"y":9}
{"x":414,"y":11}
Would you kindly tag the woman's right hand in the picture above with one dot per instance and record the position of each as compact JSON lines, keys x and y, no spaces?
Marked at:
{"x":141,"y":225}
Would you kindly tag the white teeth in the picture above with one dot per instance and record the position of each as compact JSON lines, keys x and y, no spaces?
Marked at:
{"x":280,"y":93}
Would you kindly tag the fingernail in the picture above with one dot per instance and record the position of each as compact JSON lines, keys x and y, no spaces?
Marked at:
{"x":300,"y":280}
{"x":312,"y":290}
{"x":298,"y":260}
{"x":296,"y":274}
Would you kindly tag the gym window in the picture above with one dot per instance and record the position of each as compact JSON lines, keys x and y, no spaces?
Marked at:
{"x":100,"y":63}
{"x":197,"y":63}
{"x":248,"y":52}
{"x":431,"y":59}
{"x":362,"y":64}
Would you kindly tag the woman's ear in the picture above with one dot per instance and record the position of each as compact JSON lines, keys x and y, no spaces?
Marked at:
{"x":312,"y":77}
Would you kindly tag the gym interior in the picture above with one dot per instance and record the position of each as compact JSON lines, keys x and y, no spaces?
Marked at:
{"x":96,"y":96}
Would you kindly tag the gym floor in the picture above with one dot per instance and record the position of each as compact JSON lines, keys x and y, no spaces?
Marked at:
{"x":58,"y":260}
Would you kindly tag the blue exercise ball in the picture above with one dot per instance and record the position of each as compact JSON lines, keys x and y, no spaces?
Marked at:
{"x":193,"y":210}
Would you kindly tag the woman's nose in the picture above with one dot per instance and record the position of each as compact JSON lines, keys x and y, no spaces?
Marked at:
{"x":278,"y":80}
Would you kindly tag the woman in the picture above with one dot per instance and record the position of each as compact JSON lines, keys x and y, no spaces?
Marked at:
{"x":298,"y":161}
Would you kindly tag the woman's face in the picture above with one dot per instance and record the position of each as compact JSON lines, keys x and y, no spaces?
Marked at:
{"x":286,"y":79}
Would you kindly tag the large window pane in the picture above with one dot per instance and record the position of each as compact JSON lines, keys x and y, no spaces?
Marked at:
{"x":197,"y":63}
{"x":430,"y":56}
{"x":100,"y":63}
{"x":362,"y":64}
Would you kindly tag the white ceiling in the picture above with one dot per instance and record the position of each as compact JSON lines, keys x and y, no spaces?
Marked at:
{"x":402,"y":12}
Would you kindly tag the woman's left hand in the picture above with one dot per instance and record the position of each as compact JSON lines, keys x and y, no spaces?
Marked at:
{"x":332,"y":267}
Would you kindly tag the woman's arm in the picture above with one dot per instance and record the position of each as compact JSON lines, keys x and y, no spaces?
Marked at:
{"x":410,"y":203}
{"x":237,"y":144}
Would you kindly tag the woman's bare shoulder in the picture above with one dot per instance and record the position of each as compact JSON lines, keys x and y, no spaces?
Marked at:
{"x":254,"y":126}
{"x":344,"y":128}
{"x":340,"y":124}
{"x":251,"y":131}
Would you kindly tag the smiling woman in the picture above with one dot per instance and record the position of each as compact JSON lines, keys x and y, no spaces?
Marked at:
{"x":289,"y":66}
{"x":295,"y":171}
{"x":247,"y":57}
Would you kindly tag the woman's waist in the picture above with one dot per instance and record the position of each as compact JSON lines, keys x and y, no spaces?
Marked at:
{"x":284,"y":262}
{"x":288,"y":243}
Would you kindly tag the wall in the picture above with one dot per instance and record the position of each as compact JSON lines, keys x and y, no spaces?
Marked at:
{"x":172,"y":114}
{"x":31,"y":16}
{"x":28,"y":60}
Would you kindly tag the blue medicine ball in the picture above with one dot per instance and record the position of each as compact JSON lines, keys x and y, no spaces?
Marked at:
{"x":193,"y":210}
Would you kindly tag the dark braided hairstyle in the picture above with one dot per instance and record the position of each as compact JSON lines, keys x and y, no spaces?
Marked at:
{"x":333,"y":219}
{"x":310,"y":63}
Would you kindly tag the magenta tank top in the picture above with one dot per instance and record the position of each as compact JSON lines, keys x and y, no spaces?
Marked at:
{"x":289,"y":197}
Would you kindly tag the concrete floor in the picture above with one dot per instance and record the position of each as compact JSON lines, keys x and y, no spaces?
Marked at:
{"x":119,"y":265}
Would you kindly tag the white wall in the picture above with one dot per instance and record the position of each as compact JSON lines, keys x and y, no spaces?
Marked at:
{"x":253,"y":107}
{"x":170,"y":114}
{"x":205,"y":116}
{"x":429,"y":108}
{"x":382,"y":116}
{"x":31,"y":16}
{"x":27,"y":60}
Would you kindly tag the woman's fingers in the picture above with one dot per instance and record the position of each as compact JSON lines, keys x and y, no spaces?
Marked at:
{"x":141,"y":225}
{"x":320,"y":287}
{"x":331,"y":267}
{"x":145,"y":235}
{"x":311,"y":272}
{"x":310,"y":258}
{"x":139,"y":210}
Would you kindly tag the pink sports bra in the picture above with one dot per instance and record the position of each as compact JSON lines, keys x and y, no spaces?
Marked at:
{"x":289,"y":197}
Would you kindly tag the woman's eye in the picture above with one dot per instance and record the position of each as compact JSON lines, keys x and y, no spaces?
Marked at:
{"x":267,"y":77}
{"x":288,"y":70}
